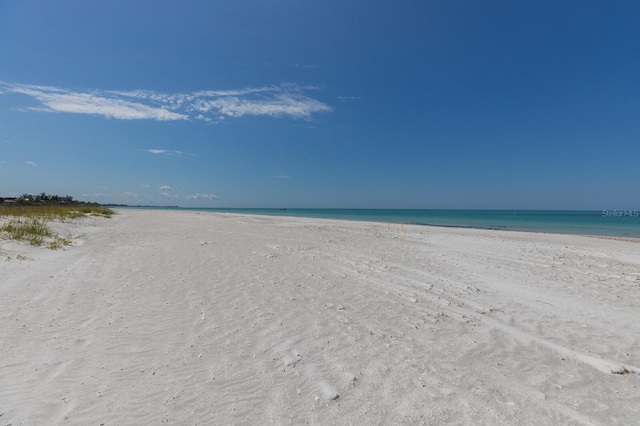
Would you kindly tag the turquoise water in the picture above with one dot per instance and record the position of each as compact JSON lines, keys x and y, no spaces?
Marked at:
{"x":604,"y":223}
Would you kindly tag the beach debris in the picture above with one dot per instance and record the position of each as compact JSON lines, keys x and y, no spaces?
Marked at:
{"x":622,"y":370}
{"x":328,"y":392}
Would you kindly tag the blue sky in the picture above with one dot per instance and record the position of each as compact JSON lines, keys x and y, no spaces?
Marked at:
{"x":351,"y":103}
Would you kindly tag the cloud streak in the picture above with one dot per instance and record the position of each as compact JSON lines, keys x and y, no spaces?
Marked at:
{"x":168,"y":152}
{"x":287,"y":100}
{"x":182,"y":196}
{"x":168,"y":192}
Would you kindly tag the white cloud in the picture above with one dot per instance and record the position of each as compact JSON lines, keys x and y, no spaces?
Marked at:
{"x":283,"y":177}
{"x":201,"y":196}
{"x":31,"y":163}
{"x":130,"y":195}
{"x":166,"y":151}
{"x":54,"y":99}
{"x":145,"y":186}
{"x":168,"y":192}
{"x":287,"y":100}
{"x":283,"y":104}
{"x":203,"y":118}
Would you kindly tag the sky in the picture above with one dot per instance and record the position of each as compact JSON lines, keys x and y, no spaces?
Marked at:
{"x":323,"y":104}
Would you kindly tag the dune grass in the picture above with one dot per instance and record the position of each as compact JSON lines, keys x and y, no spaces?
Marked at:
{"x":54,"y":212}
{"x":30,"y":223}
{"x":31,"y":229}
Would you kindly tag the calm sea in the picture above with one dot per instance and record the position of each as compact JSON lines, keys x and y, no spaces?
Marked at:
{"x":615,"y":223}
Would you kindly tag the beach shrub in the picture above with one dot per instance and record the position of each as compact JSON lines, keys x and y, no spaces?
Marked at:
{"x":27,"y":220}
{"x":54,"y":212}
{"x":30,"y":229}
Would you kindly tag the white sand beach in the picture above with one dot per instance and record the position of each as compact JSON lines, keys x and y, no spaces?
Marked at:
{"x":192,"y":318}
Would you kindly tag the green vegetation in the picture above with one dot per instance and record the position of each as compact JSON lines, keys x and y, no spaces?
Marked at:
{"x":51,"y":207}
{"x":53,"y":212}
{"x":27,"y":218}
{"x":31,"y":229}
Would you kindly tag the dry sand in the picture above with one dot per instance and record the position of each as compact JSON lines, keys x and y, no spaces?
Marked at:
{"x":201,"y":318}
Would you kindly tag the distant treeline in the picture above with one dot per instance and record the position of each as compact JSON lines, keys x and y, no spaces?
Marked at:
{"x":49,"y":200}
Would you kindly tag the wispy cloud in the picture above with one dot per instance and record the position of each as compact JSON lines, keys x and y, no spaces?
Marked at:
{"x":283,"y":177}
{"x":130,"y":195}
{"x":170,"y":193}
{"x":166,"y":151}
{"x":145,"y":186}
{"x":197,"y":196}
{"x":53,"y":99}
{"x":31,"y":163}
{"x":286,"y":100}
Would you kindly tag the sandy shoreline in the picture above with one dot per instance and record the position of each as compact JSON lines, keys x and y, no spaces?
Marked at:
{"x":203,"y":318}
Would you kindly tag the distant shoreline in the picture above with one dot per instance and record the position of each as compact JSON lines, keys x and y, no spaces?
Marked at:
{"x":566,"y":222}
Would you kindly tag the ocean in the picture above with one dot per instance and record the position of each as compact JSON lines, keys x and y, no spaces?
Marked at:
{"x":614,"y":223}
